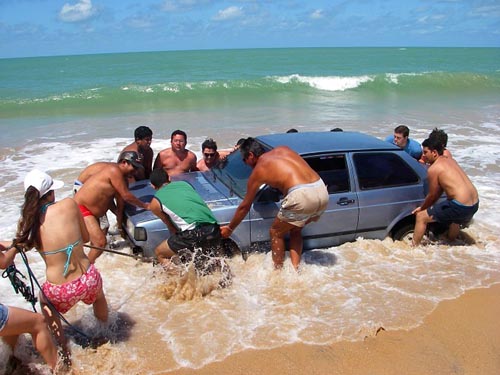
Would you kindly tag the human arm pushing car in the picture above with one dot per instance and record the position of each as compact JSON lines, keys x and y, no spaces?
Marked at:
{"x":155,"y":208}
{"x":242,"y":210}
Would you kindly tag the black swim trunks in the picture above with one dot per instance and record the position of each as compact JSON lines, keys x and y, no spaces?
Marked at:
{"x":451,"y":211}
{"x":203,"y":236}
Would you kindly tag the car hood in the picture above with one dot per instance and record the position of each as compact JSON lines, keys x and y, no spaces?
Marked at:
{"x":213,"y":192}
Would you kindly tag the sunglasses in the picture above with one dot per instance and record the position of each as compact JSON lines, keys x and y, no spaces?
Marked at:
{"x":209,"y":155}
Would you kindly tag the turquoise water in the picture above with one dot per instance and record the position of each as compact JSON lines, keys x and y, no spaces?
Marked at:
{"x":61,"y":114}
{"x":110,"y":84}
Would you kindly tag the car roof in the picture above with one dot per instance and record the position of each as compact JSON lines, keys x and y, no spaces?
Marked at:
{"x":321,"y":142}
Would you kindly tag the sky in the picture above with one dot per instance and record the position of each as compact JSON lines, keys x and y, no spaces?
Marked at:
{"x":53,"y":27}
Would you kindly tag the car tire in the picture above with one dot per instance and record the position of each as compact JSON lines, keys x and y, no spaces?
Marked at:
{"x":137,"y":250}
{"x":404,"y":233}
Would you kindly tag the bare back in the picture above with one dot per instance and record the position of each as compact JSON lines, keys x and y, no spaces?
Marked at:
{"x":283,"y":169}
{"x":176,"y":162}
{"x":62,"y":225}
{"x":98,"y":191}
{"x":453,"y":181}
{"x":91,"y":170}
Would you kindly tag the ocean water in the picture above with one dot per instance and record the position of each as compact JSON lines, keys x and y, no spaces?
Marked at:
{"x":62,"y":113}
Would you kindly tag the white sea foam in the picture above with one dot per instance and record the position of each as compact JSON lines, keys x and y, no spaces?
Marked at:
{"x":334,"y":83}
{"x":394,"y":77}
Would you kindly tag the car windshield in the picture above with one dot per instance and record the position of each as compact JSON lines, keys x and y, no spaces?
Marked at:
{"x":233,"y":173}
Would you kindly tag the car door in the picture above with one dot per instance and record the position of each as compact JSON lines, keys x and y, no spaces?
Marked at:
{"x":389,"y":189}
{"x":337,"y":224}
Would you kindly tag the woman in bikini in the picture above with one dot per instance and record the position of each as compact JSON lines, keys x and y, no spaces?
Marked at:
{"x":58,"y":232}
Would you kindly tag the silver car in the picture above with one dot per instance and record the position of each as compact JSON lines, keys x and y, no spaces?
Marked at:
{"x":373,"y":187}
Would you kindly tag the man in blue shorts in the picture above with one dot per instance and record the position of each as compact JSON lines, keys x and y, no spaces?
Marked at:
{"x":188,"y":218}
{"x":401,"y":138}
{"x":445,"y":175}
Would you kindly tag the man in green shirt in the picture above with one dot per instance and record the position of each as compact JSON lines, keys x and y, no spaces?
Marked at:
{"x":188,"y":218}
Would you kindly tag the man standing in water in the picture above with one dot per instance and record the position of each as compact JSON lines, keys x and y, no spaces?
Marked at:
{"x":96,"y":195}
{"x":401,"y":138}
{"x":116,"y":208}
{"x":176,"y":159}
{"x":444,"y":174}
{"x":211,"y":156}
{"x":142,"y":145}
{"x":306,"y":196}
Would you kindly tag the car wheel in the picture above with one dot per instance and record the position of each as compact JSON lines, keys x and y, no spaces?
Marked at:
{"x":404,"y":233}
{"x":137,"y":250}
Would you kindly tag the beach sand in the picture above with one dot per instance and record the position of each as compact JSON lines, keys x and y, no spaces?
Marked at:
{"x":460,"y":336}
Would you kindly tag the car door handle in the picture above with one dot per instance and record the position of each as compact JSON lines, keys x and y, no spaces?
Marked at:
{"x":345,"y":201}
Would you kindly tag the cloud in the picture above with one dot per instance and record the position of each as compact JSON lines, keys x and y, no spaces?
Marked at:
{"x":428,"y":19}
{"x":317,"y":14}
{"x":487,"y":11}
{"x":80,"y":11}
{"x":229,"y":13}
{"x":182,"y":5}
{"x":139,"y":22}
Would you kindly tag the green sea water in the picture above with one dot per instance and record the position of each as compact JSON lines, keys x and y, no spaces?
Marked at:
{"x":110,"y":84}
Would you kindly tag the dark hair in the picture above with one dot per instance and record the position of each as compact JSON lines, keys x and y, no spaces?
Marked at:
{"x":292,"y":130}
{"x":158,"y":177}
{"x":434,"y":144}
{"x":251,"y":145}
{"x":336,"y":130}
{"x":240,"y":141}
{"x":209,"y":143}
{"x":28,"y":226}
{"x":179,"y":132}
{"x":142,"y":132}
{"x":402,"y":129}
{"x":439,"y":135}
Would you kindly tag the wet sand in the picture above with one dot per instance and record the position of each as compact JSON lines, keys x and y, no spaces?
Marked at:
{"x":460,"y":336}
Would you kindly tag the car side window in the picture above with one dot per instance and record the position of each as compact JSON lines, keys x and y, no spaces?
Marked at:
{"x":333,"y":171}
{"x":381,"y":170}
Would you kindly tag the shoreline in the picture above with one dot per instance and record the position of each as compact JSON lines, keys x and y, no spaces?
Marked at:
{"x":461,"y":336}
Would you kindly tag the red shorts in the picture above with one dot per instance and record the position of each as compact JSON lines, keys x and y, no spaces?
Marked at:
{"x":86,"y":288}
{"x":85,"y":211}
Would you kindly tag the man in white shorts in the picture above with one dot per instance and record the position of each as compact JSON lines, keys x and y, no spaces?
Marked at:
{"x":306,"y":196}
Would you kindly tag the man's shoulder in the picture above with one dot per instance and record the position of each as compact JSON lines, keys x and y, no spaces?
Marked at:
{"x":131,"y":147}
{"x":414,"y":148}
{"x":280,"y":153}
{"x":166,"y":190}
{"x":165,"y":152}
{"x":437,"y":167}
{"x":414,"y":143}
{"x":107,"y":170}
{"x":179,"y":184}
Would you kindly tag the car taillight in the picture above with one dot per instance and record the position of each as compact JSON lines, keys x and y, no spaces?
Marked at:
{"x":140,"y":234}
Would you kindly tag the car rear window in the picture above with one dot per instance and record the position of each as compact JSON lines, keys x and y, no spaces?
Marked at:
{"x":381,"y":170}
